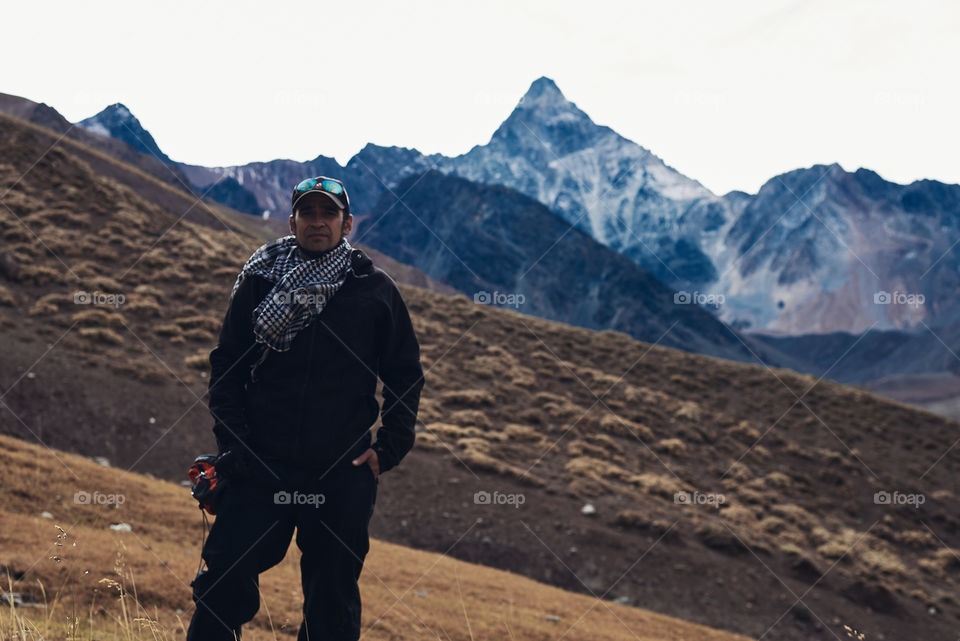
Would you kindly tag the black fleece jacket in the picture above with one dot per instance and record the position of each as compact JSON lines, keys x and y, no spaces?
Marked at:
{"x":313,"y":406}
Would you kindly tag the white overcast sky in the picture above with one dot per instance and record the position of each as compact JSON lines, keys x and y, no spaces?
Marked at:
{"x":729,"y":93}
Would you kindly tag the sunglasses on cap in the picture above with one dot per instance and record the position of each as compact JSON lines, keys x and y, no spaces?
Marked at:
{"x":333,"y":188}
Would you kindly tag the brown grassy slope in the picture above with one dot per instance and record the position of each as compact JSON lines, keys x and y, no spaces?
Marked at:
{"x":407,"y":594}
{"x":513,"y":404}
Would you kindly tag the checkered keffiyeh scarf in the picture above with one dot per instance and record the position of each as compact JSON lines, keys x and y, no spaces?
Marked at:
{"x":301,"y":287}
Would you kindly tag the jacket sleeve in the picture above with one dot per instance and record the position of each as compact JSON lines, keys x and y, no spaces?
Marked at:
{"x":402,"y":378}
{"x":230,"y":363}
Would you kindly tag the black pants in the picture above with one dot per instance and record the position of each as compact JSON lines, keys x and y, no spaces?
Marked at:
{"x":251,"y":533}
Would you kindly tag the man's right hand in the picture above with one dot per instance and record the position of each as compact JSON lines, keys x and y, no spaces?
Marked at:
{"x":232,"y":464}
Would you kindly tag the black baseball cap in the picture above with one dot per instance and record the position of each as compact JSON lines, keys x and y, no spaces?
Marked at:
{"x":329,"y":187}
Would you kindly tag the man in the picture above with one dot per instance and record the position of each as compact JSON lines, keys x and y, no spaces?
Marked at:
{"x":310,"y":327}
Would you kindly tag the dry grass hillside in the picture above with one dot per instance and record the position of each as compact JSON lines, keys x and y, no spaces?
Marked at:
{"x":78,"y":578}
{"x":721,"y":493}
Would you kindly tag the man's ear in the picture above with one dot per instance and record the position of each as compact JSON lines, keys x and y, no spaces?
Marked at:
{"x":293,"y":225}
{"x":347,"y":224}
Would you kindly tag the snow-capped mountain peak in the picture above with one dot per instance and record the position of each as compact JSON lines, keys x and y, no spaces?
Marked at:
{"x":612,"y":188}
{"x":548,"y":102}
{"x":544,"y":121}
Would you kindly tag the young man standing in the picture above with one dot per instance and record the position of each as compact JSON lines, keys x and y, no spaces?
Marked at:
{"x":310,"y":327}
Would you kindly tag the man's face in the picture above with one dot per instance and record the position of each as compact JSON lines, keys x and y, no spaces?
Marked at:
{"x":318,"y":224}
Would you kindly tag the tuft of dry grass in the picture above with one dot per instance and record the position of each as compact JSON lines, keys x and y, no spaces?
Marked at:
{"x":49,"y":304}
{"x":101,"y":335}
{"x":471,"y":398}
{"x":8,"y":298}
{"x":39,"y":275}
{"x":148,"y":371}
{"x":97,"y":317}
{"x":475,"y":453}
{"x":620,"y":426}
{"x":671,"y":446}
{"x":476,"y":418}
{"x":524,"y":433}
{"x":199,"y":361}
{"x":143,"y":306}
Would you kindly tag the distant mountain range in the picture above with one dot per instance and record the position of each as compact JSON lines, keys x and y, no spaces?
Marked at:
{"x":808,"y":253}
{"x":816,"y":252}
